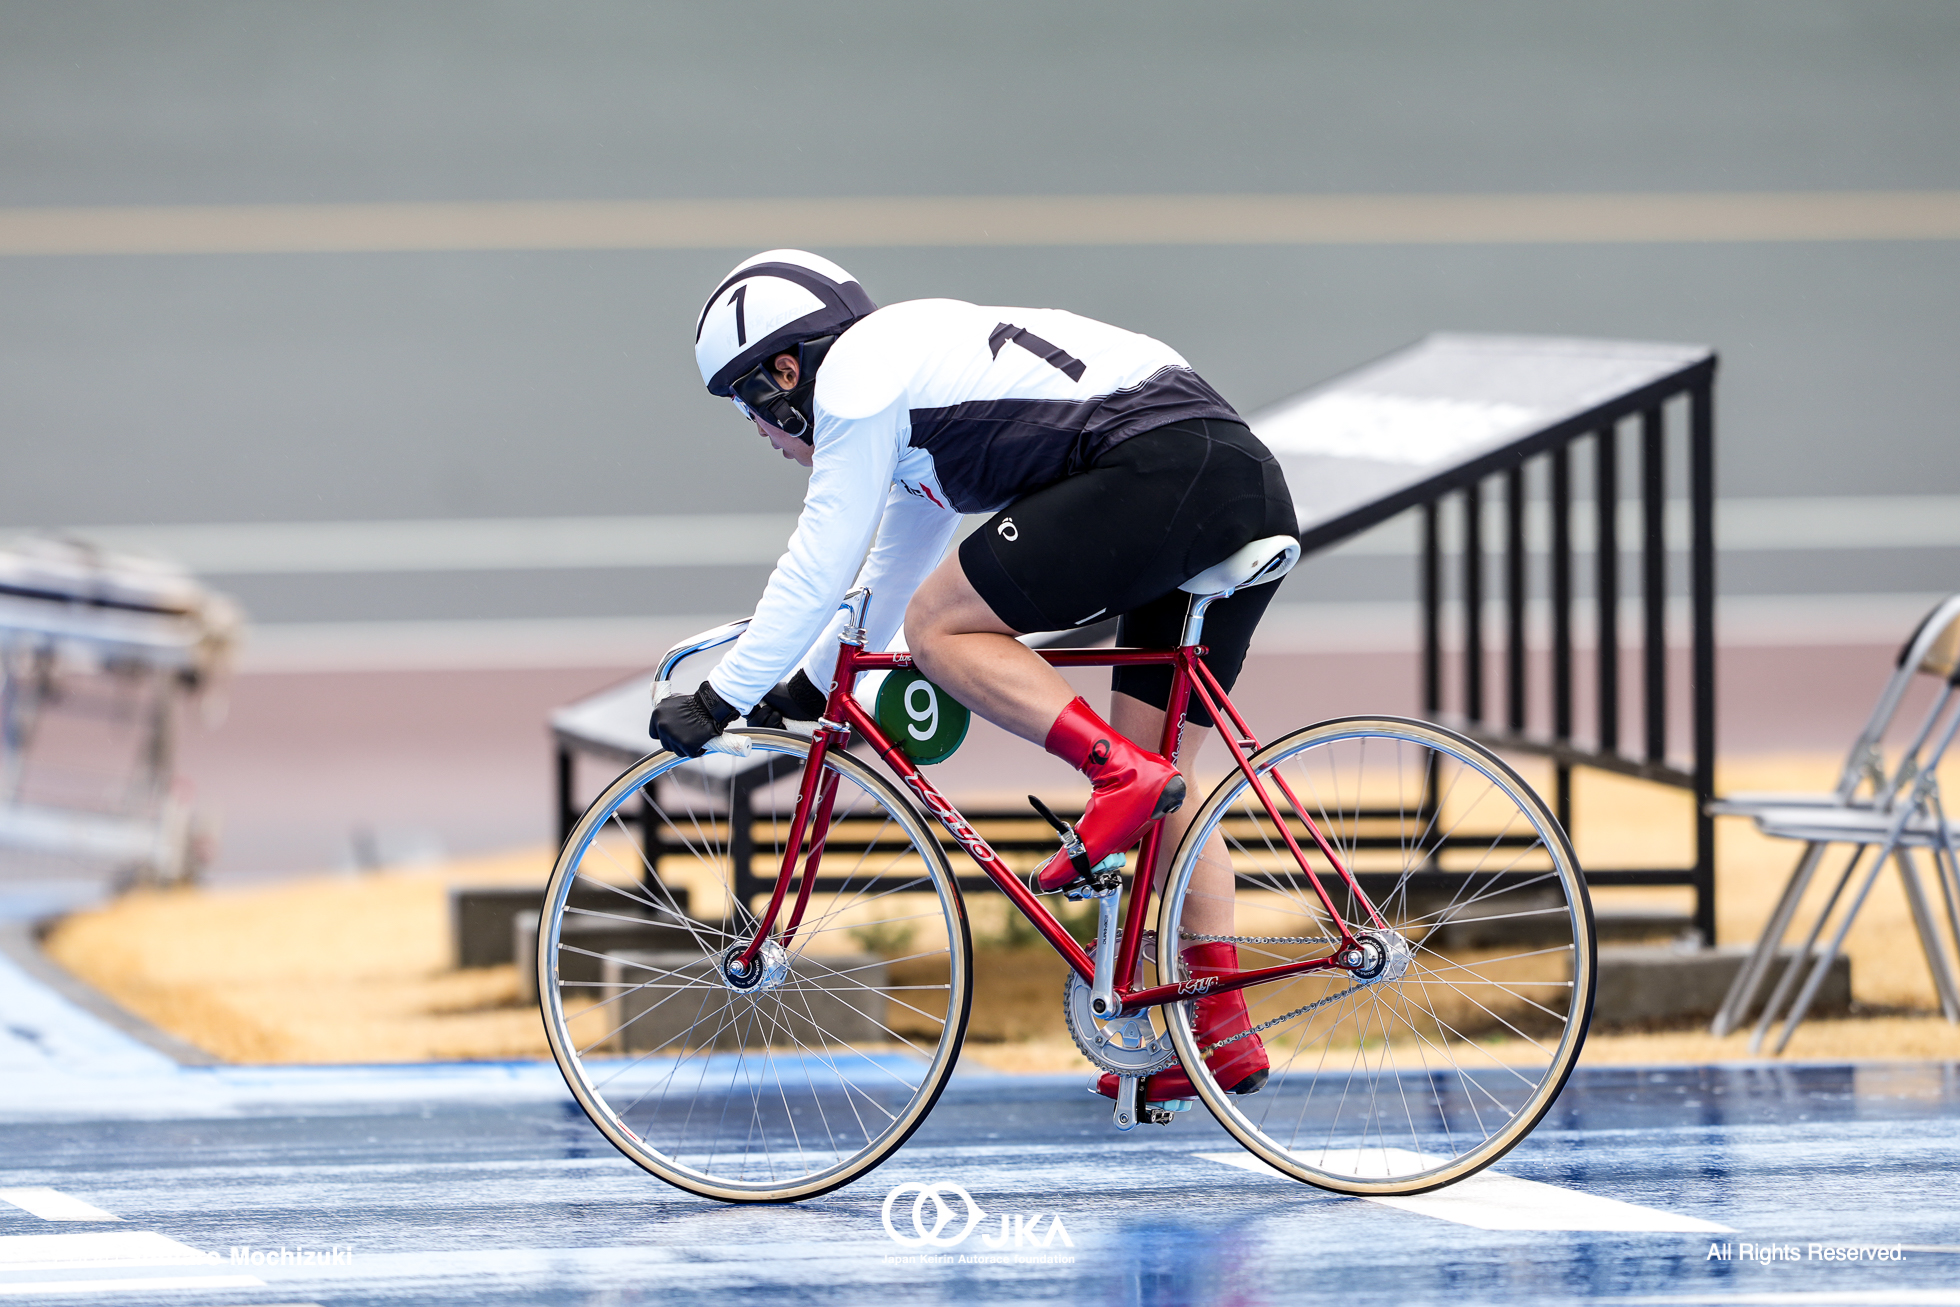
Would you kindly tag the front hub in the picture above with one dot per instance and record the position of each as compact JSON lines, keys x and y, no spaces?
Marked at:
{"x":767,"y":970}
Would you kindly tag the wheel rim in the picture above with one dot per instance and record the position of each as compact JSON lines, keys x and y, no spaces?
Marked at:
{"x":781,"y":1088}
{"x":1482,"y":970}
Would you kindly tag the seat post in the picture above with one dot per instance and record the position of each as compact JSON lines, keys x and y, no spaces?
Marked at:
{"x":1194,"y":618}
{"x":1257,"y":563}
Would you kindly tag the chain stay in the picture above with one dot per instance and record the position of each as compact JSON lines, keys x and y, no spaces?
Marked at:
{"x":1284,"y":1016}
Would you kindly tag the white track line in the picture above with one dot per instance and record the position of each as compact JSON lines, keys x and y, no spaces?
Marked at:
{"x":108,"y":1252}
{"x":1801,"y":1298}
{"x":461,"y":544}
{"x":133,"y":1284}
{"x":103,"y":1250}
{"x":1489,"y":1201}
{"x":53,"y":1205}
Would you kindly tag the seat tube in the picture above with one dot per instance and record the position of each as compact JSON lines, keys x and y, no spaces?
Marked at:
{"x":1178,"y":702}
{"x":1138,"y":911}
{"x":1143,"y":883}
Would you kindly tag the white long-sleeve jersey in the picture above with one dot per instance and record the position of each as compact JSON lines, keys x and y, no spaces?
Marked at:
{"x":927,"y":410}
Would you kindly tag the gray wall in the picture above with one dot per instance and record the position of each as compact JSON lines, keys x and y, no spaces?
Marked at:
{"x":252,"y":387}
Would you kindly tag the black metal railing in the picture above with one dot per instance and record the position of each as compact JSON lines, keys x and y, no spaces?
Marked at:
{"x":1672,"y":419}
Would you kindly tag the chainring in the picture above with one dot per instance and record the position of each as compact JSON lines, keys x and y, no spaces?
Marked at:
{"x":1127,"y":1046}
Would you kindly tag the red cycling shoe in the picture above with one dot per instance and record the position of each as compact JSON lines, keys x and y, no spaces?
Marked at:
{"x":1240,"y":1066}
{"x":1130,"y":787}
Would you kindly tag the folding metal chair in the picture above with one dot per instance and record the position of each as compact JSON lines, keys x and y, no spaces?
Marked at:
{"x":1932,"y":649}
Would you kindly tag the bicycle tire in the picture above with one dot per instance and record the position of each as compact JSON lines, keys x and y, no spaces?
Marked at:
{"x":1444,"y":1062}
{"x":810,"y":1079}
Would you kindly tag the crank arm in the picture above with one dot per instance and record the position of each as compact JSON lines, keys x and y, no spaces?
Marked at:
{"x":1128,"y":1091}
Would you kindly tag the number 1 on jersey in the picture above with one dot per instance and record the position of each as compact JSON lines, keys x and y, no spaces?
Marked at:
{"x":1053,"y":355}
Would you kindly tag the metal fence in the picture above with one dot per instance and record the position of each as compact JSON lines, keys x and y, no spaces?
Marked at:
{"x":1539,"y":567}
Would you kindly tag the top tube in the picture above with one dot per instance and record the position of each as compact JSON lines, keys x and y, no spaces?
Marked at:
{"x":885,"y":662}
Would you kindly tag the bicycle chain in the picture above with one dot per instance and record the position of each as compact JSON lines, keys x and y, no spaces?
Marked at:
{"x":1284,"y":1016}
{"x":1255,"y":939}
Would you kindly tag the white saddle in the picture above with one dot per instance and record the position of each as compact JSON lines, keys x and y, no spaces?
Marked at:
{"x":1256,"y":564}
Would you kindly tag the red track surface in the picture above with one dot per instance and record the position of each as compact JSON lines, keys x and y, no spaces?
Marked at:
{"x":462,"y":760}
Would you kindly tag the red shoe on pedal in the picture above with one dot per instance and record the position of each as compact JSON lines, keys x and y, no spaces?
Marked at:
{"x":1130,"y":787}
{"x":1240,"y":1066}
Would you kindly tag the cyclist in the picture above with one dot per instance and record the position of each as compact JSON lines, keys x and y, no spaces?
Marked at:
{"x":1112,"y":473}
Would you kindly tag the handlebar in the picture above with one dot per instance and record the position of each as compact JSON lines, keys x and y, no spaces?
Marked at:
{"x":857,"y":603}
{"x":714,"y":638}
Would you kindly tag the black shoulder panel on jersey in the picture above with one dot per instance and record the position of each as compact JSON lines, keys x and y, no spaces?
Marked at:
{"x":990,"y":452}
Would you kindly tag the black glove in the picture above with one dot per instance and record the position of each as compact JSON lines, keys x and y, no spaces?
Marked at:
{"x":797,"y":699}
{"x":685,"y":723}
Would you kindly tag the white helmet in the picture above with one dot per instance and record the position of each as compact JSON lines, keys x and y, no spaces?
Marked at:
{"x":771,"y":304}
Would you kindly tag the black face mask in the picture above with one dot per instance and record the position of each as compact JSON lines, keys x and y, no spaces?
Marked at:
{"x":790,"y":411}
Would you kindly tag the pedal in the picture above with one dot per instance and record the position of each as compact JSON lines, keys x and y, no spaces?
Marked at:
{"x":1071,"y":842}
{"x":1125,"y":1115}
{"x":1103,"y":880}
{"x":1166,"y":1112}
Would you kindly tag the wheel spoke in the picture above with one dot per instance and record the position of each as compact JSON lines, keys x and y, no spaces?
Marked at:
{"x":1439,"y":1062}
{"x":827,"y":1062}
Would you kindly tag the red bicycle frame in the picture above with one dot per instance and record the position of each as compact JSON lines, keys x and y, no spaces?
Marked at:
{"x":1189,"y":675}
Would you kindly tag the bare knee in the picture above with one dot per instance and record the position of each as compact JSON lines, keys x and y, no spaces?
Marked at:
{"x":925,"y":627}
{"x":944,"y":607}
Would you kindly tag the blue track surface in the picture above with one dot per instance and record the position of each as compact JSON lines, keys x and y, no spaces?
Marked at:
{"x":485,"y":1185}
{"x":128,"y":1179}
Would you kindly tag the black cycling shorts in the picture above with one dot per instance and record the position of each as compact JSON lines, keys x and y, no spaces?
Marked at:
{"x":1119,"y":538}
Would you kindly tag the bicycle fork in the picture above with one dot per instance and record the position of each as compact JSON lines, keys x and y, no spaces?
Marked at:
{"x":813,"y":808}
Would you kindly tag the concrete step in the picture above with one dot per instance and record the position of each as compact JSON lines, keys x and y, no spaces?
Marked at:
{"x":1671,"y":985}
{"x":480,"y":916}
{"x":673,"y":1001}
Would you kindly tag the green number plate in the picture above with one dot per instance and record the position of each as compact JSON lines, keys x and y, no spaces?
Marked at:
{"x":927,"y":722}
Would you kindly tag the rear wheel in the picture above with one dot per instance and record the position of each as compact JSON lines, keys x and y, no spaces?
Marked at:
{"x":832,"y":1053}
{"x":1442,"y":1049}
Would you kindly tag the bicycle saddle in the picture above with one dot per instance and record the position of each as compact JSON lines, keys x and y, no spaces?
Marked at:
{"x":1259,"y":562}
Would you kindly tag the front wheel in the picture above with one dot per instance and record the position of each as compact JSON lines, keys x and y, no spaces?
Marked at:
{"x":757,"y":1084}
{"x":1437,"y":1049}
